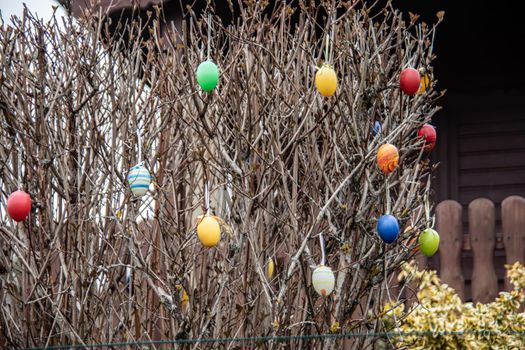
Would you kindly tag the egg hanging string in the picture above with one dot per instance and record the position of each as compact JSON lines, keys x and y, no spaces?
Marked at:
{"x":209,"y":30}
{"x":327,"y":49}
{"x":139,"y":142}
{"x":207,"y":198}
{"x":387,"y":190}
{"x":207,"y":209}
{"x":19,"y":170}
{"x":323,"y":253}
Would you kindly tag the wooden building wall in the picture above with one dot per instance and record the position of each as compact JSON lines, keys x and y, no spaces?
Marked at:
{"x":481,"y":147}
{"x":481,"y":155}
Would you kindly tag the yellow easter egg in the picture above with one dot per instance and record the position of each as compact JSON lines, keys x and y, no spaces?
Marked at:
{"x":425,"y":83}
{"x":270,"y":268}
{"x":326,"y":80}
{"x":185,"y":298}
{"x":209,"y":231}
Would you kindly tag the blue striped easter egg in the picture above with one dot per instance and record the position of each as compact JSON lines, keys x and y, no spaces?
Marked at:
{"x":139,"y":180}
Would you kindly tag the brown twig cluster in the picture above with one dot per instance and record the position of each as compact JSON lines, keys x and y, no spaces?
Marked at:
{"x":92,"y":264}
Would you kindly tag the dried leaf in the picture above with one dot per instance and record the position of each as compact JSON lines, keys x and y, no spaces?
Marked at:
{"x":413,"y":17}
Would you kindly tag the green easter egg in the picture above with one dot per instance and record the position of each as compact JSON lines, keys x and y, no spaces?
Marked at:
{"x":207,"y":75}
{"x":429,"y":242}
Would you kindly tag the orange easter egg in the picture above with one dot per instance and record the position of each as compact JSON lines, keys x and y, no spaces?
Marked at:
{"x":387,"y":158}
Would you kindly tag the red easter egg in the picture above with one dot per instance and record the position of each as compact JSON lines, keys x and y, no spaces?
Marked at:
{"x":387,"y":158}
{"x":409,"y":81}
{"x":18,"y":205}
{"x":428,"y":132}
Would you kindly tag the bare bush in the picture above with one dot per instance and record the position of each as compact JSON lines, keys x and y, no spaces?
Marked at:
{"x":92,"y":264}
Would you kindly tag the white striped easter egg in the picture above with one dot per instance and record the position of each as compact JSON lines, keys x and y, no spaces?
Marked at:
{"x":139,"y":180}
{"x":323,"y":280}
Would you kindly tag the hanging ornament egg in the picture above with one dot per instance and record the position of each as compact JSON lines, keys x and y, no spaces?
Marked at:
{"x":184,"y":298}
{"x":207,"y":75}
{"x":376,"y":130}
{"x":429,"y":242}
{"x":183,"y":295}
{"x":428,"y":132}
{"x":409,"y":81}
{"x":326,"y":80}
{"x":323,"y":280}
{"x":388,"y":228}
{"x":209,"y":231}
{"x":387,"y":158}
{"x":19,"y":205}
{"x":270,"y":266}
{"x":139,"y":180}
{"x":425,"y":83}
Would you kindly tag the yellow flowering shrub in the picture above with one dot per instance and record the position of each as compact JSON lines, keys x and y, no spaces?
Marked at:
{"x":441,"y":321}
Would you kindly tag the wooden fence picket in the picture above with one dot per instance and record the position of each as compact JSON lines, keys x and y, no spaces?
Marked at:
{"x":449,"y":226}
{"x":482,"y":230}
{"x":513,"y":225}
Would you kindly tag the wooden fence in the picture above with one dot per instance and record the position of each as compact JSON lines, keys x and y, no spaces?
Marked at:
{"x":478,"y":238}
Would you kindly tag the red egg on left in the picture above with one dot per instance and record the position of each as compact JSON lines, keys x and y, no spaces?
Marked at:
{"x":19,"y":205}
{"x":428,"y":132}
{"x":409,"y":81}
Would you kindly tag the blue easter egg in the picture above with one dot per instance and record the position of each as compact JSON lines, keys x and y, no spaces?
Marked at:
{"x":376,"y":129}
{"x":388,"y":228}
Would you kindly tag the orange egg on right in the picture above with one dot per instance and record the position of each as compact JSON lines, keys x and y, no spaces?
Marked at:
{"x":387,"y":158}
